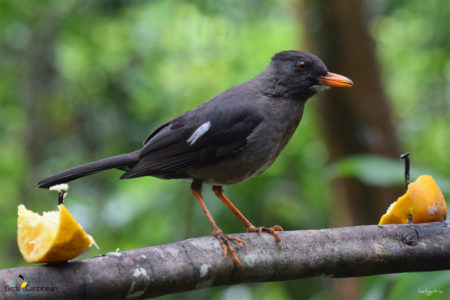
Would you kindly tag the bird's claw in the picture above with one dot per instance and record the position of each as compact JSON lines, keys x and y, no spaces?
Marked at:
{"x":224,"y":240}
{"x":270,"y":230}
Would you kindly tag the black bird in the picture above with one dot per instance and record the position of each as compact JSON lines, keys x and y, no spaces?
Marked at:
{"x":231,"y":138}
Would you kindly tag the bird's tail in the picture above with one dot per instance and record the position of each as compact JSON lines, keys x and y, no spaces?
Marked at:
{"x":122,"y":161}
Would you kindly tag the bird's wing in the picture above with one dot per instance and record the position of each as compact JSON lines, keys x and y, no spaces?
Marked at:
{"x":195,"y":139}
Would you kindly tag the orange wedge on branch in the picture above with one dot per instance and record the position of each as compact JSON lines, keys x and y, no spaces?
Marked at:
{"x":422,"y":203}
{"x":53,"y":237}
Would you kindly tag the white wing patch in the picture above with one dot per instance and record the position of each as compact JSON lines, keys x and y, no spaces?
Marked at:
{"x":199,"y":132}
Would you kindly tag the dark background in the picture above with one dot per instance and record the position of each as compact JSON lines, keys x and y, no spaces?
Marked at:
{"x":82,"y":80}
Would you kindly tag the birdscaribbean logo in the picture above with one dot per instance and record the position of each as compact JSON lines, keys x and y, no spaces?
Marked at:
{"x":23,"y":285}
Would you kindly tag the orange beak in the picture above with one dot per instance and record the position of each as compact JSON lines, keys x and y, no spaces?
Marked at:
{"x":335,"y":80}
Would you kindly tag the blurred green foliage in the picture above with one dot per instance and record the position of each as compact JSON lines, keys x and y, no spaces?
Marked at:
{"x":380,"y":171}
{"x":82,"y":80}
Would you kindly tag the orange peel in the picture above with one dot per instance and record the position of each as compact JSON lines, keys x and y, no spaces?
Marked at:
{"x":423,"y":202}
{"x":53,"y":237}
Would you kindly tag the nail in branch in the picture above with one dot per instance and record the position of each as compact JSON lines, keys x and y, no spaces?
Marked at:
{"x":406,"y":158}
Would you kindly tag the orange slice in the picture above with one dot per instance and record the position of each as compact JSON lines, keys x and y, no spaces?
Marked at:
{"x":53,"y":237}
{"x":423,"y":202}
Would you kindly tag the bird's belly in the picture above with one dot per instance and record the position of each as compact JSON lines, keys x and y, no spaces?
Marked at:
{"x":244,"y":166}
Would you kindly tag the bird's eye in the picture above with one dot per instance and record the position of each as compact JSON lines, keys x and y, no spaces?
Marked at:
{"x":301,"y":66}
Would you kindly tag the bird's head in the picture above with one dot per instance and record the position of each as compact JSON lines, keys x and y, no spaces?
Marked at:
{"x":303,"y":74}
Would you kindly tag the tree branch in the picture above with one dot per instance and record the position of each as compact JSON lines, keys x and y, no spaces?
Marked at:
{"x":197,"y":263}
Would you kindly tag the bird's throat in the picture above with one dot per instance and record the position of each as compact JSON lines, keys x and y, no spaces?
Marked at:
{"x":319,"y":88}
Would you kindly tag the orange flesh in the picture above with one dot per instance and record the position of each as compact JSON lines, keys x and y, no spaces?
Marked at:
{"x":422,"y":203}
{"x":53,"y":237}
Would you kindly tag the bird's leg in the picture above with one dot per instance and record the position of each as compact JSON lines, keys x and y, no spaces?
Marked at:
{"x":218,"y":190}
{"x":223,"y":239}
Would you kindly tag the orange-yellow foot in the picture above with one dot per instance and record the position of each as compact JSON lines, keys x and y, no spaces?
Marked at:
{"x":224,"y":240}
{"x":270,"y":230}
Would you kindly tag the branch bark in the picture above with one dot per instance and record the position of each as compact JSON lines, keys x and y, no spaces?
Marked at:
{"x":197,"y":263}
